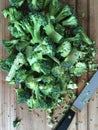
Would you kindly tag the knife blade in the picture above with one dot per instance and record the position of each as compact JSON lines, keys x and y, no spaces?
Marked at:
{"x":79,"y":103}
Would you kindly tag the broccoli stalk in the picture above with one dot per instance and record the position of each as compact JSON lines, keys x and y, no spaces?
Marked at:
{"x":65,"y":12}
{"x":50,"y":31}
{"x":55,"y":7}
{"x":18,"y":62}
{"x":71,"y":21}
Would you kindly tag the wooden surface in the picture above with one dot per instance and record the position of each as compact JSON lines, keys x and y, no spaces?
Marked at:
{"x":87,"y":11}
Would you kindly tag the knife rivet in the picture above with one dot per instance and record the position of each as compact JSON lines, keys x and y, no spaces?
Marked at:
{"x":69,"y":117}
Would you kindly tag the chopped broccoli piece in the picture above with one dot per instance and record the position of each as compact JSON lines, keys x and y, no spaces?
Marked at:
{"x":85,"y":38}
{"x":13,"y":14}
{"x":55,"y":7}
{"x":74,"y":56}
{"x":65,"y":12}
{"x":18,"y":62}
{"x":46,"y":47}
{"x":16,"y":3}
{"x":60,"y":29}
{"x":51,"y":32}
{"x":10,"y":44}
{"x":22,"y":95}
{"x":64,"y":49}
{"x":80,"y":68}
{"x":38,"y":20}
{"x":16,"y":30}
{"x":71,"y":21}
{"x":36,"y":4}
{"x":16,"y":123}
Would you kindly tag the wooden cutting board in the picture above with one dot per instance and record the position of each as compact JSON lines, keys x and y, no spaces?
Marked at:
{"x":87,"y":11}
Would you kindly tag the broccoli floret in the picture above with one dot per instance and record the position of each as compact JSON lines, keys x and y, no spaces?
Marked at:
{"x":65,"y":12}
{"x":27,"y":26}
{"x":85,"y":38}
{"x":71,"y":21}
{"x":55,"y":7}
{"x":18,"y":62}
{"x":31,"y":56}
{"x":80,"y":68}
{"x":42,"y":66}
{"x":16,"y":3}
{"x":16,"y":30}
{"x":51,"y":32}
{"x":7,"y":63}
{"x":46,"y":47}
{"x":10,"y":44}
{"x":22,"y":95}
{"x":13,"y":14}
{"x":77,"y":38}
{"x":36,"y":4}
{"x":64,"y":49}
{"x":60,"y":29}
{"x":21,"y":75}
{"x":74,"y":57}
{"x":39,"y":21}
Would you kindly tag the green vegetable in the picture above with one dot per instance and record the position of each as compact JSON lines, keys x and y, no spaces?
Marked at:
{"x":47,"y":50}
{"x":16,"y":3}
{"x":65,"y":12}
{"x":71,"y":21}
{"x":16,"y":123}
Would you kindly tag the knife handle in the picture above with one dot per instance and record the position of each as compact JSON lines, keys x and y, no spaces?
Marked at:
{"x":66,"y":120}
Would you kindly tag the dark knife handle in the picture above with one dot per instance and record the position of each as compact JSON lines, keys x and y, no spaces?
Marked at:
{"x":66,"y":120}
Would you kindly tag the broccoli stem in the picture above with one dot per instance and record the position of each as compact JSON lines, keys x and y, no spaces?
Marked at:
{"x":72,"y":21}
{"x":18,"y":62}
{"x":56,"y":37}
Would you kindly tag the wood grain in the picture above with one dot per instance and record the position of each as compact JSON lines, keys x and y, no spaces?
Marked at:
{"x":36,"y":120}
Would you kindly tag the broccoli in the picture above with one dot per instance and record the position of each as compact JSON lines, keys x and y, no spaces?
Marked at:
{"x":36,"y":4}
{"x":9,"y":45}
{"x":85,"y":38}
{"x":16,"y":3}
{"x":13,"y":14}
{"x":55,"y":7}
{"x":42,"y":66}
{"x":74,"y":57}
{"x":80,"y":68}
{"x":65,"y":12}
{"x":18,"y":62}
{"x":21,"y":75}
{"x":46,"y":47}
{"x":16,"y":30}
{"x":71,"y":21}
{"x":50,"y":31}
{"x":60,"y":29}
{"x":23,"y":94}
{"x":7,"y":63}
{"x":64,"y":49}
{"x":76,"y":39}
{"x":39,"y":21}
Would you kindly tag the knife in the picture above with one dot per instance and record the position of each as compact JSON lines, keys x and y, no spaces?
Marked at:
{"x":79,"y":103}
